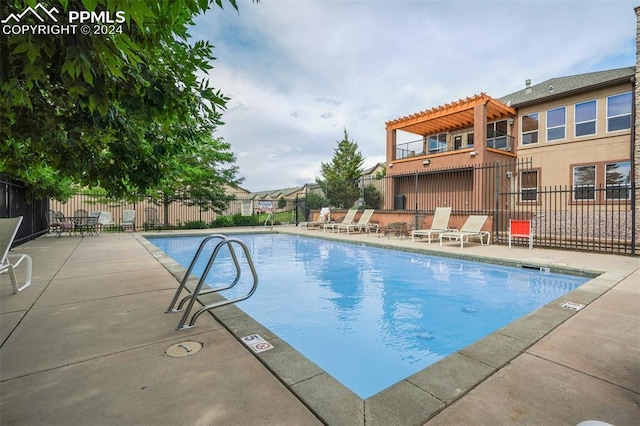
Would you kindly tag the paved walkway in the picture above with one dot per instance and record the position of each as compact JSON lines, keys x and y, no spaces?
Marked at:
{"x":86,"y":343}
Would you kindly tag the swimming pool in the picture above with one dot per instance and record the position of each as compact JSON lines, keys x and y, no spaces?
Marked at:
{"x":371,"y":316}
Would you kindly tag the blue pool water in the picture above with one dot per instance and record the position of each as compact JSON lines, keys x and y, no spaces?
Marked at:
{"x":371,"y":316}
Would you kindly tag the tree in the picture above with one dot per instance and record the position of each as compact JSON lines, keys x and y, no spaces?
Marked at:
{"x":200,"y":176}
{"x":340,"y":176}
{"x":372,"y":197}
{"x":105,"y":110}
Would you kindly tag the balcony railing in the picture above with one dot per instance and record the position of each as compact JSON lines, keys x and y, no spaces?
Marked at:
{"x":419,"y":147}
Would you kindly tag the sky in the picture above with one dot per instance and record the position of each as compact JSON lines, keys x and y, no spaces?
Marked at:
{"x":300,"y":72}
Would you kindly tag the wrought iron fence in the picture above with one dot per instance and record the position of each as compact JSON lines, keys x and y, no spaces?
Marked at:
{"x":602,"y":220}
{"x":14,"y":201}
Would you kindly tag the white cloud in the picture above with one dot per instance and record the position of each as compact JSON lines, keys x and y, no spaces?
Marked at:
{"x":299,"y":72}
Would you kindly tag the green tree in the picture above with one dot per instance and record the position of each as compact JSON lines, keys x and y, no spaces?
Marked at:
{"x":372,"y":197}
{"x":340,"y":176}
{"x":200,"y":176}
{"x":105,"y":110}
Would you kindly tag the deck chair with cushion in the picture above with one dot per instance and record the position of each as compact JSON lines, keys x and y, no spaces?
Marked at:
{"x":323,"y":218}
{"x":348,"y":219}
{"x":361,"y":225}
{"x":8,"y":262}
{"x":520,"y":229}
{"x":472,"y":228}
{"x":439,"y":224}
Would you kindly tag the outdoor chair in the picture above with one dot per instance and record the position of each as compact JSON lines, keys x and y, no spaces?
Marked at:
{"x":439,"y":224}
{"x":472,"y":228}
{"x":361,"y":225}
{"x":105,"y":219}
{"x":8,"y":262}
{"x":323,"y":218}
{"x":348,"y":219}
{"x":90,"y":225}
{"x":129,"y":219}
{"x":64,"y":224}
{"x":52,"y":221}
{"x":151,"y":221}
{"x":520,"y":229}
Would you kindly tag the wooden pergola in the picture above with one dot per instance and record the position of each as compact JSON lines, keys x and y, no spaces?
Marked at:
{"x":455,"y":115}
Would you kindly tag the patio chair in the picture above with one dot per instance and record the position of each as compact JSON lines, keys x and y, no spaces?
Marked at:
{"x":52,"y":221}
{"x":90,"y":225}
{"x":129,"y":219}
{"x":151,"y":221}
{"x":520,"y":229}
{"x":361,"y":225}
{"x":472,"y":228}
{"x":324,"y":217}
{"x":348,"y":219}
{"x":8,"y":262}
{"x":439,"y":224}
{"x":105,"y":219}
{"x":64,"y":224}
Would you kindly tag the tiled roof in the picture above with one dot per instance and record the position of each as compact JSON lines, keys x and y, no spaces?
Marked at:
{"x":564,"y":85}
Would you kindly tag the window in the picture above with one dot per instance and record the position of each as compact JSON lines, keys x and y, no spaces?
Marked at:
{"x":457,"y":142}
{"x":618,"y":180}
{"x":437,"y":143}
{"x":497,"y":134}
{"x":530,"y":128}
{"x":584,"y":182}
{"x":470,"y":140}
{"x":619,"y":112}
{"x":585,"y":118}
{"x":556,"y":123}
{"x":529,"y":185}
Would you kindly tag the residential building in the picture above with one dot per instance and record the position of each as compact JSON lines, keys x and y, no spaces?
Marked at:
{"x":574,"y":132}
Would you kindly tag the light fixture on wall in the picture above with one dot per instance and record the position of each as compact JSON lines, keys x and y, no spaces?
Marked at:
{"x":426,"y":162}
{"x":511,"y":120}
{"x":390,"y":165}
{"x":509,"y":174}
{"x":473,"y":153}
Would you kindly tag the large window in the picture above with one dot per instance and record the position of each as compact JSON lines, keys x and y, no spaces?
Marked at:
{"x":437,"y":143}
{"x":529,"y":185}
{"x":497,"y":135}
{"x":584,"y":182}
{"x":530,"y":128}
{"x":585,"y":118}
{"x":618,"y":180}
{"x":556,"y":123}
{"x":619,"y":112}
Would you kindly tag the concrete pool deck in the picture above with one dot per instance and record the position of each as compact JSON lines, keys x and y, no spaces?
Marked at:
{"x":86,"y":343}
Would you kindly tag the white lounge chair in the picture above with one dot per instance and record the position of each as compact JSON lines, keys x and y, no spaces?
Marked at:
{"x":361,"y":225}
{"x":472,"y":228}
{"x":439,"y":224}
{"x":324,"y":217}
{"x":348,"y":219}
{"x":8,"y":262}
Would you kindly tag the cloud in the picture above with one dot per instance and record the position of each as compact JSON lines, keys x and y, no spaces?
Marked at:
{"x":299,"y":72}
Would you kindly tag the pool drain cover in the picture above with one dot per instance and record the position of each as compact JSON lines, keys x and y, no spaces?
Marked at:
{"x":183,"y":349}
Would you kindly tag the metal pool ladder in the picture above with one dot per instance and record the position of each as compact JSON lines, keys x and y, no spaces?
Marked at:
{"x":191,"y":298}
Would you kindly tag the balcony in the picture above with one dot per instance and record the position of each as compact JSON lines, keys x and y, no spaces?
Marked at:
{"x":420,"y":147}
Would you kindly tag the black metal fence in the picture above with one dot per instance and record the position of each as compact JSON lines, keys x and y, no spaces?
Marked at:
{"x":599,"y":219}
{"x":14,"y":201}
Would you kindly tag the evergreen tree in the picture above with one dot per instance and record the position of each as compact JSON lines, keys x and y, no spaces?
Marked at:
{"x":340,"y":176}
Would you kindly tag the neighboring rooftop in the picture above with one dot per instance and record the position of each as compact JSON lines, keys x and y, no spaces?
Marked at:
{"x":563,"y":86}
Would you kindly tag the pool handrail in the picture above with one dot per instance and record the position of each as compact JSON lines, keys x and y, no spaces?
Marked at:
{"x":225,"y":242}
